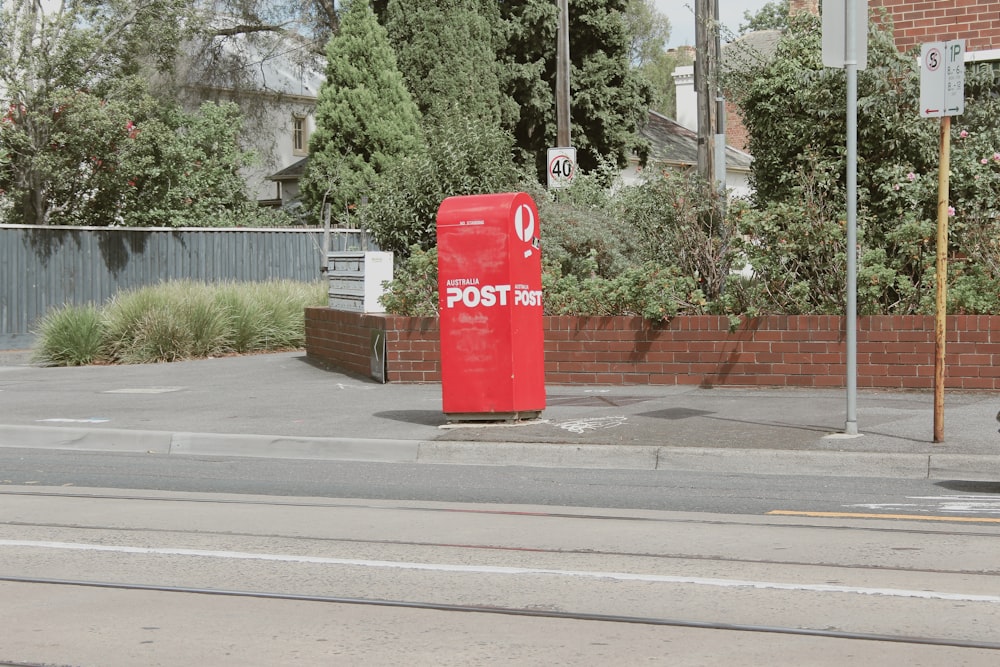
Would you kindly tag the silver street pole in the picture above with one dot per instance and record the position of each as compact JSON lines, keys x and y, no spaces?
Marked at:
{"x":851,"y":69}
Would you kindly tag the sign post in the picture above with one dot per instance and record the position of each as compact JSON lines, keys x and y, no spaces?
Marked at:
{"x":942,"y":95}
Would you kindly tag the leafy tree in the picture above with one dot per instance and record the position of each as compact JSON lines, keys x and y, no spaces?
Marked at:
{"x":794,"y":111}
{"x":462,"y":156}
{"x":182,"y":169}
{"x":649,"y":30}
{"x":772,"y":16}
{"x":49,"y":53}
{"x":609,"y":99}
{"x":365,"y":116}
{"x":447,"y":51}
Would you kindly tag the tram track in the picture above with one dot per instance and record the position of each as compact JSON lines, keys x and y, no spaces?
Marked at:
{"x":512,"y":611}
{"x":880,"y":583}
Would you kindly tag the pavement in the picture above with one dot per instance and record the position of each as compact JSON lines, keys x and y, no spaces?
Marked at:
{"x":283,"y":406}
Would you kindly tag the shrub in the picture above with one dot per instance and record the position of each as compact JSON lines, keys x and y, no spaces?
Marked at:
{"x":463,"y":157}
{"x":71,"y":336}
{"x":181,"y":320}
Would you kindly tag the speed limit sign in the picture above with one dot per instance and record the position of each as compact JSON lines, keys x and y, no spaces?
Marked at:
{"x":561,"y":167}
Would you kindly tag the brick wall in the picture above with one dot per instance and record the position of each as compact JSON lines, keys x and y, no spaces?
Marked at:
{"x":894,"y":352}
{"x":917,"y":22}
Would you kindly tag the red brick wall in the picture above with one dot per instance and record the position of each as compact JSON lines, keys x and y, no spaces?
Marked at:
{"x":894,"y":352}
{"x":917,"y":22}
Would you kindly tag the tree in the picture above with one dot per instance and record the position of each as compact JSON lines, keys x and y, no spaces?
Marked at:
{"x":365,"y":116}
{"x":463,"y":156}
{"x":447,"y":51}
{"x":772,"y":16}
{"x":649,"y":30}
{"x":50,"y":56}
{"x":609,"y":98}
{"x":794,"y":110}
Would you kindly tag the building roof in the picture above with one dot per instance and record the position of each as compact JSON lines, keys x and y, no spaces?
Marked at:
{"x":750,"y":50}
{"x":292,"y":172}
{"x":671,"y":143}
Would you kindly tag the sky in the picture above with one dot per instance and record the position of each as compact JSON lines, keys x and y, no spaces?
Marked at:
{"x":681,"y":15}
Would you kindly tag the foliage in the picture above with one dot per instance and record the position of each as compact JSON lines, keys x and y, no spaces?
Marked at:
{"x":463,"y":156}
{"x":580,"y":235}
{"x":660,"y":73}
{"x":676,"y":217}
{"x":365,"y":117}
{"x":793,"y":109}
{"x":797,"y":250}
{"x":772,"y":16}
{"x":649,"y":31}
{"x":447,"y":51}
{"x":589,"y":264}
{"x":413,"y":291}
{"x":70,"y":336}
{"x":180,"y":320}
{"x":609,"y":98}
{"x":64,"y":54}
{"x":651,"y":290}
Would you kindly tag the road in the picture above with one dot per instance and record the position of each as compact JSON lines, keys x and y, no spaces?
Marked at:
{"x":125,"y":560}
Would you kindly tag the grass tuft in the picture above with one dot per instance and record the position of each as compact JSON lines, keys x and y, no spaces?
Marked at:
{"x":180,"y":320}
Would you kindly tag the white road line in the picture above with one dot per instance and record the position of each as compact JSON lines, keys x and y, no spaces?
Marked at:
{"x":477,"y":569}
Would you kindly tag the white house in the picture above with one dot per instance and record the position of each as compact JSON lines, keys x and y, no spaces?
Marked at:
{"x":278,"y":92}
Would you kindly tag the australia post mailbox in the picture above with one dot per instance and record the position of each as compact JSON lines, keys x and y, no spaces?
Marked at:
{"x":490,"y":304}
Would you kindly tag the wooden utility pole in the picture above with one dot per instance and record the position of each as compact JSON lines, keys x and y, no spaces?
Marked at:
{"x":562,"y":77}
{"x":706,"y":60}
{"x":941,"y":294}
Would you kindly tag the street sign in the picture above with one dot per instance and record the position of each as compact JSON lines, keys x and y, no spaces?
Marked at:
{"x":835,"y":33}
{"x":942,"y":79}
{"x":561,"y":167}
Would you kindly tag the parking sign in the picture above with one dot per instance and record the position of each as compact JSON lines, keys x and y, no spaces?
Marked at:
{"x":942,"y":79}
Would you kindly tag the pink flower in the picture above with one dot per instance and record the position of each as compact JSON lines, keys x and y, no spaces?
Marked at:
{"x":996,"y":157}
{"x":984,"y":161}
{"x":963,"y":134}
{"x":911,"y":176}
{"x":896,"y":186}
{"x":951,"y":211}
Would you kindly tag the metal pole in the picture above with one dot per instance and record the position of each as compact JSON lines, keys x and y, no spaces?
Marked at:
{"x":851,"y":324}
{"x":562,"y":78}
{"x":941,"y":315}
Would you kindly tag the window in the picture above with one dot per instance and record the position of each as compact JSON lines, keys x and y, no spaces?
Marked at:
{"x":300,"y":138}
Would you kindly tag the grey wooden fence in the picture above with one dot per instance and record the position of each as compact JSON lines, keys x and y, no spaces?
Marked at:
{"x":46,"y":267}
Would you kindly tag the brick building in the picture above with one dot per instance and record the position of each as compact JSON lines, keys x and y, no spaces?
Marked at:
{"x":977,"y":22}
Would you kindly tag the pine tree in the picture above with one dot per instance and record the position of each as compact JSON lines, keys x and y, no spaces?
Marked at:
{"x":609,"y":99}
{"x":365,"y":116}
{"x":447,"y":51}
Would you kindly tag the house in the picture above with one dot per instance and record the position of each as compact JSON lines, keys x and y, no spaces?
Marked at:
{"x":278,"y":89}
{"x":752,"y":47}
{"x":673,"y":146}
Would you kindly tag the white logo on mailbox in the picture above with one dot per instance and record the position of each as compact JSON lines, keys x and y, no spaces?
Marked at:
{"x":524,"y":223}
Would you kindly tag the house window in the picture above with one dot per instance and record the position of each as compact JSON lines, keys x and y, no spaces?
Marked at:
{"x":300,"y":138}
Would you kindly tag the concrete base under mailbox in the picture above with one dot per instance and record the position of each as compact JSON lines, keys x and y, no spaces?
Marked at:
{"x":505,"y":417}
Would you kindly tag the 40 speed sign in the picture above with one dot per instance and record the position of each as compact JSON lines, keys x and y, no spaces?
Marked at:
{"x":561,"y":167}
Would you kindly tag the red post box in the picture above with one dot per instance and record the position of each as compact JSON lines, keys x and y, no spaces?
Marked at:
{"x":490,"y":304}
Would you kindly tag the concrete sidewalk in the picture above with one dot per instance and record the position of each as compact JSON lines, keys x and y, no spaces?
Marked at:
{"x":281,"y":405}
